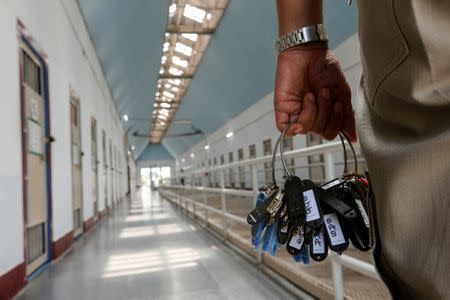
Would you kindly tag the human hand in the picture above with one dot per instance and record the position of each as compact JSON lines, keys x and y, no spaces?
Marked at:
{"x":310,"y":87}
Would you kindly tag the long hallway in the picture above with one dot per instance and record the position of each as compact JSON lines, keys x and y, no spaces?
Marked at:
{"x":148,"y":250}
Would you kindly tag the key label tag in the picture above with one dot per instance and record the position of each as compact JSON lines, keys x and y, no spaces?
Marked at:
{"x":297,"y":240}
{"x":334,"y":229}
{"x":331,"y":184}
{"x":318,"y":243}
{"x":363,"y":212}
{"x":312,"y":211}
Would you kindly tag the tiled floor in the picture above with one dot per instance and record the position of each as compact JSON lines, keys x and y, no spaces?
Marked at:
{"x":146,"y":250}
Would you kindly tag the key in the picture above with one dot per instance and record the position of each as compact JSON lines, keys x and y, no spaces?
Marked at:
{"x":333,"y":183}
{"x":283,"y":231}
{"x":293,"y":192}
{"x":336,"y":237}
{"x":319,"y":247}
{"x":333,"y":202}
{"x":274,"y":207}
{"x":259,"y":212}
{"x":359,"y":227}
{"x":313,"y":211}
{"x":296,"y":241}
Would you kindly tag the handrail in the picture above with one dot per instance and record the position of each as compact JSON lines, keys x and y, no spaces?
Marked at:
{"x":318,"y":149}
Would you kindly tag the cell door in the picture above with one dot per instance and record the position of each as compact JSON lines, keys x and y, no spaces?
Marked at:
{"x":111,"y":168}
{"x":76,"y":166}
{"x":35,"y":162}
{"x":94,"y":164}
{"x":105,"y":168}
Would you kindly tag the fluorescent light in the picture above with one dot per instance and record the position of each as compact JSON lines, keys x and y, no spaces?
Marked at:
{"x":166,"y":46}
{"x":175,"y":81}
{"x":182,"y":48}
{"x":166,"y":105}
{"x":133,"y":147}
{"x":175,"y":89}
{"x":155,"y":105}
{"x":172,"y":9}
{"x":162,"y":123}
{"x":125,"y":118}
{"x":157,"y":94}
{"x":175,"y":71}
{"x":169,"y":95}
{"x":163,"y":59}
{"x":182,"y":159}
{"x":192,"y":155}
{"x":159,"y":85}
{"x":167,"y":85}
{"x":180,"y":62}
{"x":208,"y":16}
{"x":161,"y":71}
{"x":207,"y":147}
{"x":162,"y":117}
{"x":229,"y":134}
{"x":194,"y":13}
{"x":166,"y":114}
{"x":190,"y":36}
{"x":164,"y":111}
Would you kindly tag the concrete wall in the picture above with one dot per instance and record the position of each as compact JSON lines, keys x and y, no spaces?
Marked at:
{"x":59,"y":31}
{"x":257,"y":123}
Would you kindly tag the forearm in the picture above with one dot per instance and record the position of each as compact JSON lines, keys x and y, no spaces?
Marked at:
{"x":293,"y":14}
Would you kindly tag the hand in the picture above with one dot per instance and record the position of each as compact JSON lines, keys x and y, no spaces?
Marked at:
{"x":310,"y":88}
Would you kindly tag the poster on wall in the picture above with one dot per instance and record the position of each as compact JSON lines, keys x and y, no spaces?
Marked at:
{"x":34,"y":137}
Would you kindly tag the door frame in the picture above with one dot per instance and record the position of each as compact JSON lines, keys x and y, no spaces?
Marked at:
{"x":73,"y":98}
{"x":27,"y":43}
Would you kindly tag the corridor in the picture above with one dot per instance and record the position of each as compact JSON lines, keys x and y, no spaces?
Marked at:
{"x":149,"y":250}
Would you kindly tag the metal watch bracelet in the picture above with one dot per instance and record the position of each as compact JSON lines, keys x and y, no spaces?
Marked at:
{"x":307,"y":34}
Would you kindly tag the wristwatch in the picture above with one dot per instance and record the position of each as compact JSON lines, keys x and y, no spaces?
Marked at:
{"x":308,"y":34}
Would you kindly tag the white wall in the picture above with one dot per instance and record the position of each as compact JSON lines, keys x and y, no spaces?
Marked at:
{"x":59,"y":31}
{"x":257,"y":123}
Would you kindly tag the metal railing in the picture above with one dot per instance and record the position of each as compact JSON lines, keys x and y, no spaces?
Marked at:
{"x":327,"y":150}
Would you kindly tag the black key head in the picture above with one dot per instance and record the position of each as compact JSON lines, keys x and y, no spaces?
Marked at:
{"x":333,"y":201}
{"x":319,"y":246}
{"x":293,"y":191}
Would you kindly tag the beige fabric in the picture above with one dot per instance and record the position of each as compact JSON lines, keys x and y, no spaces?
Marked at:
{"x":404,"y":128}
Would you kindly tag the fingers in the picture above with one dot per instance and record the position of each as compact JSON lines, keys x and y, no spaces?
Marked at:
{"x":324,"y":108}
{"x":308,"y":115}
{"x":335,"y":122}
{"x":287,"y":111}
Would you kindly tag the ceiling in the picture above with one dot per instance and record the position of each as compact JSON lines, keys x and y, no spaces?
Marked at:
{"x":236,"y":70}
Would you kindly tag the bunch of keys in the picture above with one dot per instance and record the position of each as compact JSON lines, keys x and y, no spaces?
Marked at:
{"x":311,"y":219}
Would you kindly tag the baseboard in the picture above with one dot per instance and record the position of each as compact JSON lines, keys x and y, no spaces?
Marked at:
{"x":62,"y":245}
{"x":12,"y":282}
{"x":87,"y":225}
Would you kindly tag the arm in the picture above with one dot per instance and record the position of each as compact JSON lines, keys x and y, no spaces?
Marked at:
{"x":310,"y":86}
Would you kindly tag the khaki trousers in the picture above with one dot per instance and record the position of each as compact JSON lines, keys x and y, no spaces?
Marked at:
{"x":404,"y":129}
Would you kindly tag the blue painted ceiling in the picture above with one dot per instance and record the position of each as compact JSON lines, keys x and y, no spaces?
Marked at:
{"x":236,"y":71}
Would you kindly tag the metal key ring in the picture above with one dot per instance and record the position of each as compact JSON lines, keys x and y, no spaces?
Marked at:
{"x":275,"y":150}
{"x":283,"y":160}
{"x":343,"y":136}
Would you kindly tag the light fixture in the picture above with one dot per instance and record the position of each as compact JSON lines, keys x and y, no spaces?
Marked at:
{"x":183,"y":49}
{"x":180,"y":62}
{"x":161,"y":71}
{"x":175,"y":89}
{"x":162,"y":117}
{"x":169,"y":95}
{"x":182,"y":159}
{"x":190,"y":36}
{"x":194,"y":13}
{"x":175,"y":81}
{"x":163,"y":59}
{"x":167,"y":85}
{"x":208,"y":16}
{"x":192,"y":155}
{"x":157,"y":94}
{"x":172,"y":9}
{"x":175,"y":71}
{"x":133,"y":147}
{"x":165,"y":105}
{"x":207,"y":147}
{"x":229,"y":134}
{"x":125,"y":118}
